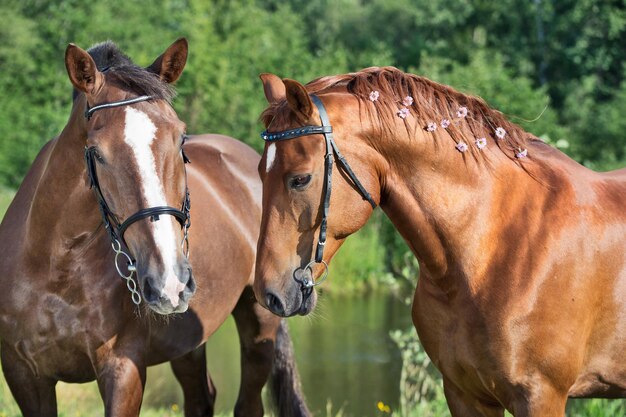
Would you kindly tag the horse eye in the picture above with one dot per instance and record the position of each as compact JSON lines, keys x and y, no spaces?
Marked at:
{"x":300,"y":181}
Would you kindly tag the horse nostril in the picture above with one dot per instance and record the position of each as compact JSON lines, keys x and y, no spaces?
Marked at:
{"x":191,"y":283}
{"x":149,"y":293}
{"x":274,"y":304}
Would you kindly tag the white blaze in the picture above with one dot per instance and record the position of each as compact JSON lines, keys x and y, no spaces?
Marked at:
{"x":270,"y":157}
{"x":139,"y":133}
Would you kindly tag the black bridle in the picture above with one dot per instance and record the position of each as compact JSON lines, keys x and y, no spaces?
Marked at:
{"x":331,"y":150}
{"x":114,"y":228}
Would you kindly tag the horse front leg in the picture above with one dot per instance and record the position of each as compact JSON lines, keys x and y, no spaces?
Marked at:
{"x":256,"y":338}
{"x":198,"y":388}
{"x":35,"y":395}
{"x":464,"y":405}
{"x":121,"y":380}
{"x":540,"y":399}
{"x":266,"y":351}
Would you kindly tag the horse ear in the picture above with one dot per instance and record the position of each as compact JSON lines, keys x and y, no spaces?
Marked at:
{"x":171,"y":63}
{"x":298,"y":100}
{"x":82,"y":70}
{"x":274,"y":88}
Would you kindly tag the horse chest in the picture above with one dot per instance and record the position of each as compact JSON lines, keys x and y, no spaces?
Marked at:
{"x":52,"y":339}
{"x":56,"y":324}
{"x":452,"y":339}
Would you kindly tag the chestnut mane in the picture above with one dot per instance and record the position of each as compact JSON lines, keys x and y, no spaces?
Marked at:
{"x":433,"y":102}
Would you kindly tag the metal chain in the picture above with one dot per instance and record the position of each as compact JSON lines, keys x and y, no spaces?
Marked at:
{"x":130,"y":267}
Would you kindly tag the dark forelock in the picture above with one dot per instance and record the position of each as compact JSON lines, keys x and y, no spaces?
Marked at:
{"x":121,"y":71}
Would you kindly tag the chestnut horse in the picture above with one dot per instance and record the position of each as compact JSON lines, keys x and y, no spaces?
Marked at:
{"x":65,"y":314}
{"x":520,"y":301}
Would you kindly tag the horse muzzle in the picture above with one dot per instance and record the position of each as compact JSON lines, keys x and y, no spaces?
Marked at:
{"x":168,"y":293}
{"x":295,"y":298}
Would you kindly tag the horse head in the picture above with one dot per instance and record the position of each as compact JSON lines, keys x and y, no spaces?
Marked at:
{"x":136,"y":165}
{"x":300,"y":232}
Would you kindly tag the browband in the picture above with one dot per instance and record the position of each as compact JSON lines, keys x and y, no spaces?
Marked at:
{"x":90,"y":111}
{"x":295,"y":133}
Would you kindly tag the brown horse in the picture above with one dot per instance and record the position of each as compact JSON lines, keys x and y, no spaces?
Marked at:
{"x":65,"y":314}
{"x":520,"y":301}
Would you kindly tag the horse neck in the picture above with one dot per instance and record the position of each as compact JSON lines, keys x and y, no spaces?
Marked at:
{"x":440,"y":200}
{"x":63,"y":207}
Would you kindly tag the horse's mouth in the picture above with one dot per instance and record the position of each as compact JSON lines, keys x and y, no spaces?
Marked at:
{"x":308,"y":301}
{"x":165,"y":309}
{"x":298,"y":301}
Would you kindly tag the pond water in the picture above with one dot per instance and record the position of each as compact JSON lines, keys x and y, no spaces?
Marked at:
{"x":344,"y":354}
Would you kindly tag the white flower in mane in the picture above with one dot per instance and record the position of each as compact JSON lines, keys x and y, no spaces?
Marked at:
{"x":403,"y":113}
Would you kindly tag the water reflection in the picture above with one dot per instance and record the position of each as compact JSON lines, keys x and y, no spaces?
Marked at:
{"x":344,"y":355}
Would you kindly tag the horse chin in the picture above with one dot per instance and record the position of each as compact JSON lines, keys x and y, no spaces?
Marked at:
{"x":308,"y":303}
{"x":167,"y":295}
{"x":286,"y":300}
{"x":166,"y":308}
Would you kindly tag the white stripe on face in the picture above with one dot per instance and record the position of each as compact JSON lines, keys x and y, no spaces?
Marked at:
{"x":270,"y":157}
{"x":139,"y":133}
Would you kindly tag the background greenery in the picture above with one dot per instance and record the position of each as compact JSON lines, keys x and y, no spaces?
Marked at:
{"x":521,"y":55}
{"x":554,"y":66}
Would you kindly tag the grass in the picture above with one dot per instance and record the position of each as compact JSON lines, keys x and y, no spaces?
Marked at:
{"x":82,"y":400}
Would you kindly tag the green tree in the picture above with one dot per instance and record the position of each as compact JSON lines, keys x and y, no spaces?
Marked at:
{"x":487,"y":76}
{"x":221,"y":91}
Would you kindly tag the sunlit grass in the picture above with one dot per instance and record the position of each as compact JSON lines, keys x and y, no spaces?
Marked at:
{"x":83,"y":400}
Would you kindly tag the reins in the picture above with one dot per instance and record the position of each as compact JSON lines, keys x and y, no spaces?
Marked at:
{"x":114,"y":228}
{"x":331,"y":150}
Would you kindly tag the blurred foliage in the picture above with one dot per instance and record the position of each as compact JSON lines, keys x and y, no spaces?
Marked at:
{"x":5,"y":199}
{"x":486,"y":75}
{"x":219,"y":92}
{"x":360,"y":262}
{"x":566,"y":57}
{"x":421,"y":387}
{"x":420,"y":381}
